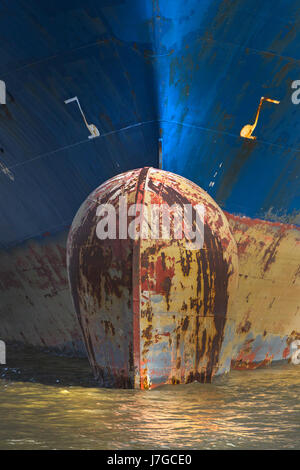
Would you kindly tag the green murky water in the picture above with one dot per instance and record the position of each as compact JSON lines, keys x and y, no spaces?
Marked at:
{"x":49,"y":402}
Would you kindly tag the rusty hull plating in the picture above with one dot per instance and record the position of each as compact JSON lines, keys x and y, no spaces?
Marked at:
{"x":152,"y":311}
{"x":267,"y":302}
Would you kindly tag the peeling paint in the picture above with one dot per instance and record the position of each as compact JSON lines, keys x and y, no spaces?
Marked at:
{"x":172,"y":302}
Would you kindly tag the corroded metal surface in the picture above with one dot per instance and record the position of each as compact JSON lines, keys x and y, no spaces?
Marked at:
{"x":153,"y":311}
{"x":152,"y":318}
{"x":100,"y":274}
{"x":142,"y":73}
{"x":185,"y":294}
{"x":36,"y":307}
{"x":268,"y":298}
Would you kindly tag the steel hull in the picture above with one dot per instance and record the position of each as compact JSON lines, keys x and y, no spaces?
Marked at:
{"x":155,"y":312}
{"x":160,"y":83}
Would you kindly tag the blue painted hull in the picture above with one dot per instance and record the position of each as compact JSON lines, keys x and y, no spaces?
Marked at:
{"x":143,"y":70}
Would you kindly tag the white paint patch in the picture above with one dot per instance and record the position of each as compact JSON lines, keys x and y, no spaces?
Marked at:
{"x":295,"y":358}
{"x":2,"y":352}
{"x":2,"y":92}
{"x":6,"y":171}
{"x":91,"y":127}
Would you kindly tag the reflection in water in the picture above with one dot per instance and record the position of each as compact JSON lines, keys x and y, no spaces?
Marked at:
{"x":59,"y":406}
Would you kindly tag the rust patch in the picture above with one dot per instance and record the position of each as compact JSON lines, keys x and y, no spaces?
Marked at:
{"x":175,"y":300}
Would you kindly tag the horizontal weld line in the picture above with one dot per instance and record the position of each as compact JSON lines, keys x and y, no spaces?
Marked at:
{"x":54,"y":56}
{"x":159,"y":55}
{"x":99,"y":41}
{"x":52,"y":152}
{"x":195,"y":126}
{"x":191,"y":314}
{"x":131,"y":126}
{"x":252,"y":49}
{"x":63,"y":226}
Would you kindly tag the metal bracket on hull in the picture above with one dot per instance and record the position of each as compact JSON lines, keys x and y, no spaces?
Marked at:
{"x":91,"y":127}
{"x":248,"y":129}
{"x":160,"y":143}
